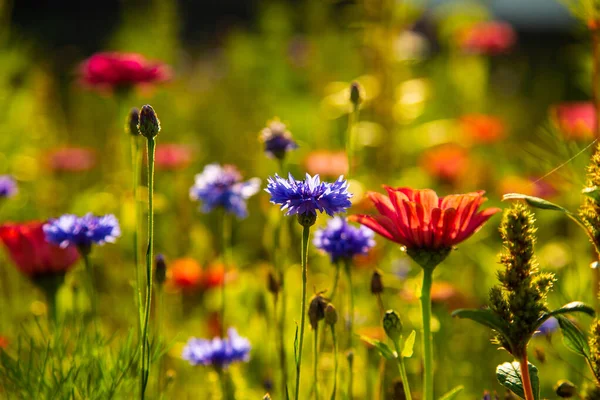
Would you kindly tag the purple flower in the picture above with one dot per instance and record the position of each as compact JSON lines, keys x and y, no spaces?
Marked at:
{"x":222,"y":186}
{"x":278,"y":140}
{"x":218,"y":352}
{"x":343,"y":241}
{"x":308,"y":196}
{"x":548,"y":327}
{"x":82,"y":231}
{"x":8,"y":186}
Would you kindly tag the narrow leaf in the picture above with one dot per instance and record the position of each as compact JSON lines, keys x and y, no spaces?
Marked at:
{"x":575,"y":306}
{"x":296,"y":345}
{"x":383,"y":348}
{"x":453,"y":394}
{"x":409,"y":343}
{"x":536,"y":202}
{"x":485,"y":317}
{"x":509,"y":376}
{"x":573,"y":338}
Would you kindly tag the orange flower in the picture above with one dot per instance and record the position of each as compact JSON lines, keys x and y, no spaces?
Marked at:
{"x":448,"y":162}
{"x":575,"y":120}
{"x":482,"y":128}
{"x":327,"y":163}
{"x":3,"y":342}
{"x":185,"y":273}
{"x":419,"y":220}
{"x":213,"y":276}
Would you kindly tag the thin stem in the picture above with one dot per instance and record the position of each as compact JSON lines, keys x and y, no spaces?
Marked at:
{"x":335,"y":362}
{"x":525,"y":376}
{"x":352,"y":119}
{"x":135,"y":168}
{"x":335,"y":281}
{"x":227,"y":389}
{"x":160,"y":313}
{"x":226,"y":228}
{"x":282,"y":353}
{"x":348,"y":268}
{"x":402,"y":370}
{"x":145,"y":362}
{"x":305,"y":236}
{"x":316,"y":361}
{"x":90,"y":279}
{"x":426,"y":334}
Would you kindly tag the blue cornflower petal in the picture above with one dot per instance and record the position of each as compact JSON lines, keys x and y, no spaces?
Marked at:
{"x":223,"y":187}
{"x":309,"y":196}
{"x":8,"y":186}
{"x":343,"y":241}
{"x":278,"y":140}
{"x":82,"y":231}
{"x":218,"y":352}
{"x":548,"y":327}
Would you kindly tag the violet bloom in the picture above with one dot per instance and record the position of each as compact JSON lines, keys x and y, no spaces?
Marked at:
{"x":217,"y":352}
{"x":343,"y":241}
{"x":8,"y":186}
{"x":547,"y":328}
{"x":222,"y":186}
{"x":82,"y":231}
{"x":278,"y":139}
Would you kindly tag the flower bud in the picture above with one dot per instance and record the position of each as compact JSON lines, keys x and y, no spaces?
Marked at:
{"x":392,"y":325}
{"x":331,"y":315}
{"x":355,"y":95}
{"x":133,"y":119}
{"x":160,"y":269}
{"x":376,"y":283}
{"x":307,"y":220}
{"x":316,"y":310}
{"x":565,"y":389}
{"x":149,"y":125}
{"x":272,"y":284}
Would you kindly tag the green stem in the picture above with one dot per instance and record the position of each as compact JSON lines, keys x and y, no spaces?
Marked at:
{"x":348,"y":267}
{"x":316,"y":361}
{"x":90,"y":279}
{"x":335,"y":362}
{"x":227,"y":389}
{"x":282,"y":353}
{"x":426,"y":334}
{"x":135,"y":168}
{"x":402,"y":370}
{"x":305,"y":236}
{"x":160,"y":313}
{"x":226,"y":232}
{"x":145,"y":361}
{"x":335,"y":281}
{"x":352,"y":119}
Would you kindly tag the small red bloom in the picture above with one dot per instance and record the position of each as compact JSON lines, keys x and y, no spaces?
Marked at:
{"x":185,"y":273}
{"x":448,"y":162}
{"x":575,"y":120}
{"x":171,"y":156}
{"x":71,"y":159}
{"x":213,"y":276}
{"x":488,"y":38}
{"x":482,"y":128}
{"x":32,"y":254}
{"x":121,"y":70}
{"x":419,"y":220}
{"x":3,"y":342}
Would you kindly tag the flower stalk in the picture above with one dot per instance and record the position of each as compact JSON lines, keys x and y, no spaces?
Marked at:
{"x":348,"y":270}
{"x":305,"y":237}
{"x":527,"y":388}
{"x":135,"y":169}
{"x":226,"y":229}
{"x":426,"y":334}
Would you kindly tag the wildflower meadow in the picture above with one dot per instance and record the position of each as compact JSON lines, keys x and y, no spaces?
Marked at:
{"x":328,"y":200}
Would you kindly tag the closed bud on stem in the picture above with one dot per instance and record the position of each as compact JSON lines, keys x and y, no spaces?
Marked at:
{"x":355,"y":94}
{"x":392,"y":325}
{"x":160,"y":269}
{"x":273,"y":284}
{"x":133,"y":120}
{"x":307,"y":220}
{"x":149,"y":125}
{"x":331,"y":315}
{"x":316,"y":310}
{"x":376,"y":283}
{"x":565,"y":389}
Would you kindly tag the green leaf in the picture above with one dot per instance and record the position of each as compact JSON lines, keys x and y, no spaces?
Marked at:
{"x":296,"y":345}
{"x":592,"y":192}
{"x":573,"y":338}
{"x":509,"y":376}
{"x":453,"y":393}
{"x":409,"y":343}
{"x":575,"y":306}
{"x":383,"y":348}
{"x":485,"y":317}
{"x":536,"y":202}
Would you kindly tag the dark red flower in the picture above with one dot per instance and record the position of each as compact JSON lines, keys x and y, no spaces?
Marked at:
{"x":575,"y":120}
{"x":71,"y":159}
{"x":171,"y":156}
{"x":121,"y":70}
{"x":419,"y":220}
{"x":488,"y":38}
{"x":33,"y":255}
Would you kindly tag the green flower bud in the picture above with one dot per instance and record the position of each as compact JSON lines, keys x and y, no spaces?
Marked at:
{"x":272,"y":284}
{"x":149,"y":125}
{"x":565,"y":389}
{"x":331,"y":315}
{"x":160,"y":268}
{"x":133,"y":119}
{"x":392,"y":325}
{"x":355,"y":94}
{"x":376,"y":283}
{"x":307,"y":220}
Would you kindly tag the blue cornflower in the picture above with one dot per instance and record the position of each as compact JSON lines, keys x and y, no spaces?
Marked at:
{"x":278,"y":140}
{"x":222,"y":186}
{"x":218,"y":352}
{"x":8,"y":186}
{"x":308,"y":196}
{"x":82,"y":231}
{"x":343,"y":241}
{"x":548,"y":327}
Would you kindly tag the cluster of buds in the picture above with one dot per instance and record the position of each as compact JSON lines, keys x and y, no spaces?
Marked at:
{"x":589,"y":211}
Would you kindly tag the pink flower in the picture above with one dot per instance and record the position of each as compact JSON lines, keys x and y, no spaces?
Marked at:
{"x":575,"y":120}
{"x":171,"y":156}
{"x":487,"y":38}
{"x":71,"y":159}
{"x":121,"y":70}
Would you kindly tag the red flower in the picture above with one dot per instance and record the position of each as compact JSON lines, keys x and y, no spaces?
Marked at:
{"x":214,"y":276}
{"x":71,"y":159}
{"x":172,"y":156}
{"x":575,"y":120}
{"x":487,"y":38}
{"x":448,"y":162}
{"x":33,"y":255}
{"x":121,"y":70}
{"x":185,"y":273}
{"x":419,"y":220}
{"x":482,"y":128}
{"x":3,"y":342}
